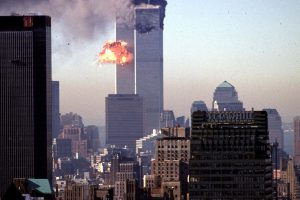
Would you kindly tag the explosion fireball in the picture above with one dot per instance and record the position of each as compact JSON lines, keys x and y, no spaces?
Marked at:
{"x":115,"y":52}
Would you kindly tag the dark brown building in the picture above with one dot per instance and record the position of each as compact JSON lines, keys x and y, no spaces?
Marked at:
{"x":230,"y":156}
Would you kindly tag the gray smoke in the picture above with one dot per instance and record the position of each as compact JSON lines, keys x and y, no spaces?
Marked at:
{"x":83,"y":19}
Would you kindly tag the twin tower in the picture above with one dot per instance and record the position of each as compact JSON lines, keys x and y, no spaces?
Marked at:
{"x":136,"y":107}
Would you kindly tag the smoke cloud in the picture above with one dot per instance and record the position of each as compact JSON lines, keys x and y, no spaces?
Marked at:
{"x":162,"y":3}
{"x":78,"y":18}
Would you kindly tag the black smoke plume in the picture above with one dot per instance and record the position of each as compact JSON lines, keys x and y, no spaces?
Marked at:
{"x":162,"y":3}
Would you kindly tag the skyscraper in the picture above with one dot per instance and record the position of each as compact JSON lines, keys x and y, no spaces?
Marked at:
{"x":125,"y":74}
{"x":230,"y":156}
{"x":226,"y":98}
{"x":124,"y":119}
{"x":275,"y":127}
{"x":297,"y":140}
{"x":143,"y":33}
{"x":25,"y":98}
{"x":55,"y":109}
{"x":149,"y":62}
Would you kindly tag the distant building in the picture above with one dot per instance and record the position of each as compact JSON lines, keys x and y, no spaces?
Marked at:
{"x":124,"y":119}
{"x":297,"y":140}
{"x":275,"y":127}
{"x":101,"y":192}
{"x":71,"y":119}
{"x":198,"y":105}
{"x":288,"y":139}
{"x":230,"y":156}
{"x":55,"y":109}
{"x":167,"y":119}
{"x":180,"y":121}
{"x":147,"y":143}
{"x":226,"y":98}
{"x":126,"y":184}
{"x":75,"y":134}
{"x":169,"y":168}
{"x":114,"y":168}
{"x":293,"y":180}
{"x":63,"y":147}
{"x":145,"y":150}
{"x":25,"y":98}
{"x":93,"y":138}
{"x":76,"y":190}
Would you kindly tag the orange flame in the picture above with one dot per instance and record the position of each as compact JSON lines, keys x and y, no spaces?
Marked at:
{"x":115,"y":52}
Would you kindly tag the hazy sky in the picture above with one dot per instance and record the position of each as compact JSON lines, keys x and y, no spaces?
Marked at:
{"x":253,"y":44}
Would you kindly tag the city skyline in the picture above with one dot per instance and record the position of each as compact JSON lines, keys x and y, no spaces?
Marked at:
{"x":253,"y":45}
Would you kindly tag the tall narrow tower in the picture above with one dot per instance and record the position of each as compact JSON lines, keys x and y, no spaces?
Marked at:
{"x":149,"y":62}
{"x":297,"y":140}
{"x":25,"y":98}
{"x":125,"y":74}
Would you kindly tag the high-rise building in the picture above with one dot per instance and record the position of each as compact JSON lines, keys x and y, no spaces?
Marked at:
{"x":198,"y":105}
{"x":63,"y":148}
{"x":55,"y":109}
{"x":169,"y":168}
{"x":124,"y":119}
{"x":275,"y":127}
{"x":226,"y":98}
{"x":143,"y":33}
{"x":146,"y":143}
{"x":167,"y":119}
{"x":93,"y":141}
{"x":125,"y":74}
{"x":149,"y":62}
{"x":230,"y":156}
{"x":297,"y":140}
{"x":25,"y":98}
{"x":78,"y":142}
{"x":127,"y":181}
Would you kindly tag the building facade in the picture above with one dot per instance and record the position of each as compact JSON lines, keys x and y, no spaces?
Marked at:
{"x":25,"y":98}
{"x":124,"y":119}
{"x":167,"y":119}
{"x":275,"y":127}
{"x":297,"y":140}
{"x":125,"y":74}
{"x":169,"y":168}
{"x":230,"y":156}
{"x":55,"y":109}
{"x":149,"y":62}
{"x":78,"y":142}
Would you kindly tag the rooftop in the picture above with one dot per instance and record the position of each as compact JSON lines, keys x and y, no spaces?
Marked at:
{"x":225,"y":84}
{"x":40,"y":185}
